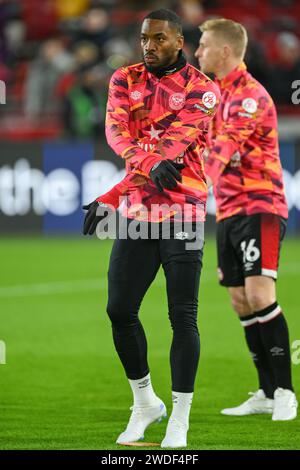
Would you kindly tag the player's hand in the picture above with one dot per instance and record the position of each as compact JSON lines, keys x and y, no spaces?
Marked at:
{"x":165,"y":174}
{"x":91,"y":218}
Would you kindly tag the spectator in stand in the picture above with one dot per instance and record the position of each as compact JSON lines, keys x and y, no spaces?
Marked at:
{"x":84,"y":105}
{"x":52,"y":62}
{"x":287,"y":68}
{"x":96,"y":28}
{"x":3,"y":19}
{"x":84,"y":54}
{"x":4,"y":73}
{"x":192,"y":14}
{"x":257,"y":63}
{"x":118,"y":53}
{"x":15,"y":34}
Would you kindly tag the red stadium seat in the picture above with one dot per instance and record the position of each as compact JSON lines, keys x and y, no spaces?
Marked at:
{"x":40,"y":18}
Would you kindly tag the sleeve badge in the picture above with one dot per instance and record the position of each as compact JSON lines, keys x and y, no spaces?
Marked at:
{"x":249,"y":105}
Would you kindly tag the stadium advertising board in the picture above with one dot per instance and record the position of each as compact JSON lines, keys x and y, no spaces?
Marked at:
{"x":44,"y":185}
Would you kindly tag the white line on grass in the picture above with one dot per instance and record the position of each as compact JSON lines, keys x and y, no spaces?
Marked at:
{"x":94,"y":284}
{"x":59,"y":287}
{"x":48,"y":288}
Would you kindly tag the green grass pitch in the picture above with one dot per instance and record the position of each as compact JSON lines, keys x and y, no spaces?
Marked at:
{"x":62,"y":386}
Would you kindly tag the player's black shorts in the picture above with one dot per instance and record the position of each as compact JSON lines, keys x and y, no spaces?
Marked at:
{"x":249,"y":246}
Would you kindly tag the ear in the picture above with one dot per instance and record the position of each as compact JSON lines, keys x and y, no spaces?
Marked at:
{"x":226,"y":51}
{"x":180,"y":42}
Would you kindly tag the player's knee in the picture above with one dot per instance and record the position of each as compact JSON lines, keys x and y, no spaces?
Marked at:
{"x":258,"y":300}
{"x":120,"y":315}
{"x":113,"y":312}
{"x":183,"y":316}
{"x":239,"y":304}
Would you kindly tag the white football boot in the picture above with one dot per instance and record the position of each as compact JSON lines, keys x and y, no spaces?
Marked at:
{"x":176,"y":434}
{"x":141,"y":417}
{"x":257,"y":404}
{"x":285,"y":405}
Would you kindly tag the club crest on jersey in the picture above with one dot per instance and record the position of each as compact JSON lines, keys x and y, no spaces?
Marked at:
{"x":249,"y":105}
{"x":136,"y":95}
{"x":176,"y":101}
{"x":209,"y":99}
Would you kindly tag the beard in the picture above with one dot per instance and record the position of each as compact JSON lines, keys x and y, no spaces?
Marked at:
{"x":152,"y":68}
{"x":167,"y":62}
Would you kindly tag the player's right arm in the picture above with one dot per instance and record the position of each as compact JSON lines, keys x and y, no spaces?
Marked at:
{"x":163,"y":171}
{"x":117,"y":124}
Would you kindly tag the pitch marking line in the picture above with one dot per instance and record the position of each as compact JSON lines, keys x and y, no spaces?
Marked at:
{"x":61,"y":287}
{"x":94,"y":284}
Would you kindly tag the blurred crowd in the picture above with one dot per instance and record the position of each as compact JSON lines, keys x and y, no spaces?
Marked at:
{"x":56,"y":56}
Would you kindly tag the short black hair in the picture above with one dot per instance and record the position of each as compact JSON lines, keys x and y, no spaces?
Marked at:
{"x":166,"y":15}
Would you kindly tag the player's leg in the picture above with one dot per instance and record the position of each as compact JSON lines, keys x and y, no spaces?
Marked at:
{"x":182,"y":270}
{"x":261,"y":294}
{"x":261,"y":401}
{"x":254,"y":342}
{"x":231,"y":276}
{"x":133,"y":266}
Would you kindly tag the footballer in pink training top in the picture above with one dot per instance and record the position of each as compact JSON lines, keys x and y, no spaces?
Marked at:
{"x":158,"y":113}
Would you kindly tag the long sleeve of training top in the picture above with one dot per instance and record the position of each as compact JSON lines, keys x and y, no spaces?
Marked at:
{"x":182,"y":117}
{"x":129,"y":183}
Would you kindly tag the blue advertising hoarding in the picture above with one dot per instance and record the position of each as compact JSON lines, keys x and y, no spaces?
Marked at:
{"x":44,"y":185}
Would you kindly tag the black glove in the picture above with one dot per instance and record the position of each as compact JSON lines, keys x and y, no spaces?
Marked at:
{"x":165,"y":174}
{"x":91,"y":218}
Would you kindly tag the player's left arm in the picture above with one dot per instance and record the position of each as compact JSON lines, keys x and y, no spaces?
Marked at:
{"x":129,"y":183}
{"x":245,"y":112}
{"x":110,"y":201}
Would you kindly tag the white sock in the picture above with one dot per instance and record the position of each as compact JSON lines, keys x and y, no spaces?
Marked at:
{"x":182,"y":403}
{"x":143,"y":393}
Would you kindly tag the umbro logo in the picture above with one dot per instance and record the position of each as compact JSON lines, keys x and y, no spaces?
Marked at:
{"x":276,"y":351}
{"x":174,"y":398}
{"x":248,"y":266}
{"x":144,"y":383}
